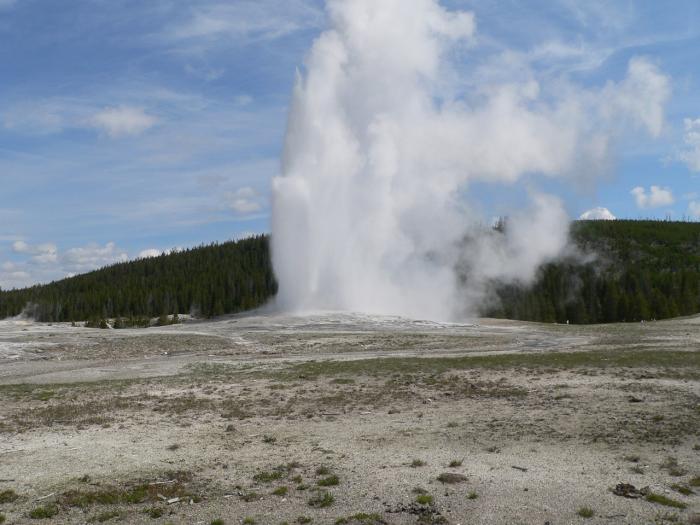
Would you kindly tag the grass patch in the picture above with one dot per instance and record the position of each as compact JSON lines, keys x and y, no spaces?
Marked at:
{"x":695,"y":482}
{"x":585,"y":512}
{"x":682,"y":489}
{"x":250,"y":496}
{"x":361,"y":518}
{"x":268,"y":477}
{"x":664,"y":500}
{"x":2,"y":519}
{"x":455,"y":463}
{"x":330,"y":481}
{"x":302,"y":520}
{"x":217,"y":521}
{"x":451,"y":478}
{"x":424,"y":499}
{"x":472,"y":495}
{"x":280,"y":491}
{"x":8,"y":496}
{"x":663,"y":360}
{"x":44,"y":512}
{"x":105,"y":516}
{"x":323,"y":471}
{"x":154,"y":512}
{"x":249,"y":521}
{"x":418,"y":463}
{"x":321,"y":500}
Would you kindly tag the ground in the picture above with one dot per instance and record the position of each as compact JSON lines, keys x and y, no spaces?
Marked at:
{"x":352,"y":419}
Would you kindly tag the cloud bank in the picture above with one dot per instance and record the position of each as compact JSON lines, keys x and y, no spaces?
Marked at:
{"x":372,"y":212}
{"x":654,"y":198}
{"x":597,"y":214}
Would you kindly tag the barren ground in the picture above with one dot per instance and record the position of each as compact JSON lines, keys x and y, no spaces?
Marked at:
{"x":350,"y":419}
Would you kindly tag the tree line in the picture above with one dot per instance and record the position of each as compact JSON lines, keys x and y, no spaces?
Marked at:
{"x":625,"y":271}
{"x":206,"y":281}
{"x":636,"y":270}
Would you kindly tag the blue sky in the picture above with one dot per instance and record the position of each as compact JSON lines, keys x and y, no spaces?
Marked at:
{"x":130,"y":127}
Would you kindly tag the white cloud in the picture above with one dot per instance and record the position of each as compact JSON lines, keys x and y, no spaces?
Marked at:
{"x":122,"y":121}
{"x":597,"y":214}
{"x":92,"y":256}
{"x":694,"y":209}
{"x":640,"y":97}
{"x":655,"y":198}
{"x":691,"y":155}
{"x":151,"y":252}
{"x":244,"y":201}
{"x":247,"y":20}
{"x":40,"y":253}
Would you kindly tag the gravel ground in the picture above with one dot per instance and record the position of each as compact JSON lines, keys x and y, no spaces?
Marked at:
{"x":250,"y":419}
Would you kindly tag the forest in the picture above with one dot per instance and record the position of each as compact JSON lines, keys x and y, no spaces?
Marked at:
{"x":204,"y":281}
{"x":624,"y":271}
{"x":634,"y":271}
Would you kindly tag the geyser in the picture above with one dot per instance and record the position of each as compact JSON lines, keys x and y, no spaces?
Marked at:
{"x":386,"y":134}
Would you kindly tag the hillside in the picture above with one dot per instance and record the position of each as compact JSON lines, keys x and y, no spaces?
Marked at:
{"x":636,"y":270}
{"x":207,"y":280}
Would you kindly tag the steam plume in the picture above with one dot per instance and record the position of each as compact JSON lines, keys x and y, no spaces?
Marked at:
{"x":371,"y":212}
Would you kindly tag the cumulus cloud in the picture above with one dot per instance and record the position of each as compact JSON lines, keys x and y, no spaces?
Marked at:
{"x":122,"y":121}
{"x":40,"y":253}
{"x":694,"y":209}
{"x":654,"y":198}
{"x":597,"y":214}
{"x":641,"y":97}
{"x":92,"y":256}
{"x":691,"y":154}
{"x":151,"y":252}
{"x":244,"y":201}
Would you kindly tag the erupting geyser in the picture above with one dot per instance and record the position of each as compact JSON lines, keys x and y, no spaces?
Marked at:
{"x":371,"y":212}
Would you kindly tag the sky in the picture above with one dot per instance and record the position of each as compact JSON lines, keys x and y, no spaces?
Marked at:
{"x":129,"y":128}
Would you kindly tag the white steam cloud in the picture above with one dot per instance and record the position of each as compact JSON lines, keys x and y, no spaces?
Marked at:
{"x":371,"y":212}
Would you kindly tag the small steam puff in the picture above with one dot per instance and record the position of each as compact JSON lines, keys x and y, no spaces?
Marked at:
{"x":370,"y":213}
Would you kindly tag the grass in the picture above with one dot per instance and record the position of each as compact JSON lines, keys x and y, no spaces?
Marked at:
{"x":361,"y":518}
{"x":8,"y":496}
{"x":250,"y":496}
{"x":682,"y":489}
{"x":418,"y":463}
{"x":632,"y":358}
{"x":330,"y":481}
{"x":321,"y":500}
{"x":585,"y":512}
{"x":472,"y":495}
{"x":303,"y":520}
{"x":217,"y":521}
{"x":268,"y":477}
{"x":695,"y":482}
{"x":455,"y":463}
{"x":154,"y":512}
{"x":280,"y":491}
{"x":2,"y":518}
{"x":666,"y":501}
{"x":424,"y":499}
{"x":105,"y":516}
{"x":249,"y":521}
{"x":44,"y":512}
{"x":451,"y":477}
{"x":323,"y":471}
{"x":270,"y":440}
